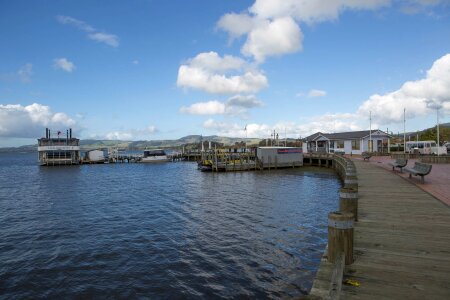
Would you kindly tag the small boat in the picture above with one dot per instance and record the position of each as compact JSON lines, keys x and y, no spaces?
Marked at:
{"x":204,"y":165}
{"x":154,"y":156}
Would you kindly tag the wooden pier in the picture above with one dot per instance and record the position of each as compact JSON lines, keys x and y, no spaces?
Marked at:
{"x":401,"y":244}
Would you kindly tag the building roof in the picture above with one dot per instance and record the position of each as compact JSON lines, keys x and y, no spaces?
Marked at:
{"x":351,"y":135}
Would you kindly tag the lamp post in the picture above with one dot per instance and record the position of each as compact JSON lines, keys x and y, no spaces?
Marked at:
{"x":434,"y":104}
{"x":437,"y":128}
{"x":370,"y":132}
{"x":404,"y":130}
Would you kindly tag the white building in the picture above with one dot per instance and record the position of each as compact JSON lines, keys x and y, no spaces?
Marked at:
{"x":353,"y":142}
{"x":96,"y":156}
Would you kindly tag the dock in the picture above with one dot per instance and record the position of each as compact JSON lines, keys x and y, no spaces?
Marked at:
{"x":401,"y":243}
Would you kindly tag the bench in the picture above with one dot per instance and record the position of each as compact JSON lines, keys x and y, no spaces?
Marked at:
{"x":366,"y":155}
{"x":399,"y":163}
{"x":419,"y":169}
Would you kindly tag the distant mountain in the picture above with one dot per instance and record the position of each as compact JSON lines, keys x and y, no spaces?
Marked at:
{"x":190,"y":141}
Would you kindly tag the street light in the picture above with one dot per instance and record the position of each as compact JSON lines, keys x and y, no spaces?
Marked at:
{"x":433,"y":104}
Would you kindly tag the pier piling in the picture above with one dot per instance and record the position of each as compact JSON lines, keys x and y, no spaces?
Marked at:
{"x":340,"y":236}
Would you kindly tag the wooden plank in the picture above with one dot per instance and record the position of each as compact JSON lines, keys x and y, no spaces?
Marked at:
{"x":402,"y":242}
{"x":336,"y":277}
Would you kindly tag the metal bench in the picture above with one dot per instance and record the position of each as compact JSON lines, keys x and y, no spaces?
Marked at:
{"x":419,"y":169}
{"x":366,"y":155}
{"x":399,"y":163}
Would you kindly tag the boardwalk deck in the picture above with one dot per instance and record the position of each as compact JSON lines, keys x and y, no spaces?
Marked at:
{"x":402,"y":240}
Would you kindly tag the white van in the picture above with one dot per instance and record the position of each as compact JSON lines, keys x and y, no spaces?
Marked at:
{"x":424,"y":147}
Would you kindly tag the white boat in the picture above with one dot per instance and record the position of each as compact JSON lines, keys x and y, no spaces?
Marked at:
{"x":58,"y":150}
{"x":154,"y":156}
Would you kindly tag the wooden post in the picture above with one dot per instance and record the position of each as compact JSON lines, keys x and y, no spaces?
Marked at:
{"x":348,"y":201}
{"x":340,"y":236}
{"x":216,"y":161}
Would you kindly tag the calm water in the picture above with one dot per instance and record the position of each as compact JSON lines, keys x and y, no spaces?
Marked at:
{"x":159,"y":231}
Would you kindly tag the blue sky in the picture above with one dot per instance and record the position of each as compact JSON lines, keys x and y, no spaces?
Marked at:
{"x":166,"y":69}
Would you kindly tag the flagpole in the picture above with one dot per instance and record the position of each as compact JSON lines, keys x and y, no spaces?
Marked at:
{"x":404,"y":130}
{"x":245,"y":137}
{"x":370,"y":132}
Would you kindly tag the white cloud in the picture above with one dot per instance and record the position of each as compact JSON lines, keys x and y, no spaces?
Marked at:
{"x":29,"y":121}
{"x":272,"y":26}
{"x":107,"y":38}
{"x":416,"y":6}
{"x":64,"y":64}
{"x":25,"y":73}
{"x":132,"y":134}
{"x":245,"y":101}
{"x":316,"y":93}
{"x":238,"y":24}
{"x":324,"y":123}
{"x":276,"y":37}
{"x":74,"y":22}
{"x":93,"y":34}
{"x":212,"y":62}
{"x":237,"y":105}
{"x":117,"y":135}
{"x":419,"y":97}
{"x":415,"y":96}
{"x":310,"y":11}
{"x":220,"y":75}
{"x":205,"y":108}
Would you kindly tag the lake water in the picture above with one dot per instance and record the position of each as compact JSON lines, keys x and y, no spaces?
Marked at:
{"x":154,"y":231}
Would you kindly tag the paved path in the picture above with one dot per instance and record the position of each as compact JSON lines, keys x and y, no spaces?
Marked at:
{"x":402,"y":241}
{"x":437,"y":183}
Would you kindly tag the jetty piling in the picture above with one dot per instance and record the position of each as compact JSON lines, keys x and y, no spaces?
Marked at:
{"x":340,"y":236}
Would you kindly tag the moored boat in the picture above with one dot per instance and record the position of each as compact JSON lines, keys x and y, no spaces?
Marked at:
{"x":59,"y":149}
{"x":154,"y":156}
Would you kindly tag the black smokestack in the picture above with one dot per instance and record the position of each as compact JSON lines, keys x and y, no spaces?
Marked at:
{"x":46,"y":133}
{"x":70,"y":131}
{"x":49,"y":134}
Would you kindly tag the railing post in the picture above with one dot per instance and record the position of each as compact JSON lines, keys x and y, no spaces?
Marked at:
{"x":340,"y":236}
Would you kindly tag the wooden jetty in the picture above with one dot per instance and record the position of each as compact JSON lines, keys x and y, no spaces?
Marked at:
{"x":401,"y":244}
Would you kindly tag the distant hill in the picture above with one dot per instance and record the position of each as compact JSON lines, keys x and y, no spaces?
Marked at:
{"x":190,"y":140}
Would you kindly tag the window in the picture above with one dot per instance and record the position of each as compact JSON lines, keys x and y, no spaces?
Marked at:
{"x":340,"y":144}
{"x":355,"y":145}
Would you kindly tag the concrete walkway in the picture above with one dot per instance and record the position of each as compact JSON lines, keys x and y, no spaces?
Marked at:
{"x":402,"y":239}
{"x":437,"y":183}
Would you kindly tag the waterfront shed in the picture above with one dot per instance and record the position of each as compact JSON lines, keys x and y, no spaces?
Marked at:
{"x":272,"y":157}
{"x":96,"y":156}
